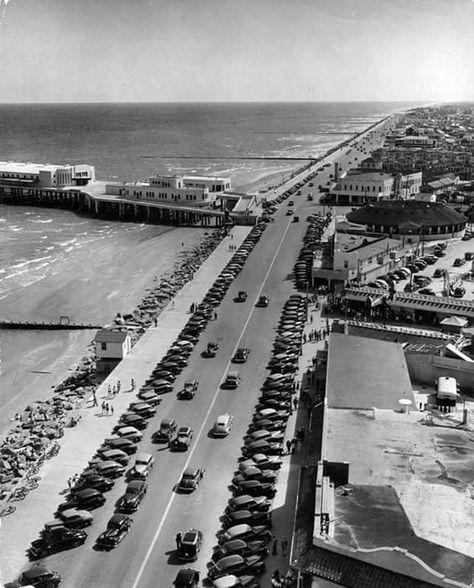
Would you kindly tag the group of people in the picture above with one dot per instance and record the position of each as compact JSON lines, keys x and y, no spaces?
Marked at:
{"x":286,"y":581}
{"x":107,"y":409}
{"x":315,"y":335}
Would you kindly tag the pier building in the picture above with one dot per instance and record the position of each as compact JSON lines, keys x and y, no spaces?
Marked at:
{"x":46,"y":175}
{"x":111,"y":346}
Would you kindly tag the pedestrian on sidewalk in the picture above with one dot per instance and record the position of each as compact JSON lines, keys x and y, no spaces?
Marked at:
{"x":311,"y":317}
{"x":293,"y":445}
{"x":156,"y":321}
{"x":69,"y":484}
{"x":295,"y":402}
{"x":109,"y":391}
{"x":284,"y":545}
{"x":103,"y":407}
{"x":119,"y":385}
{"x":132,"y":384}
{"x":94,"y":399}
{"x":106,"y":409}
{"x":215,"y":315}
{"x":288,"y":446}
{"x":274,"y":546}
{"x":111,"y":410}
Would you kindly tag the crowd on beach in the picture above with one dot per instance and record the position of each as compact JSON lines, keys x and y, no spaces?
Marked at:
{"x":37,"y":428}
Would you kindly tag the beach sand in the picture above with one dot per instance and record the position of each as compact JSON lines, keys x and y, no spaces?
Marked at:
{"x":92,"y":287}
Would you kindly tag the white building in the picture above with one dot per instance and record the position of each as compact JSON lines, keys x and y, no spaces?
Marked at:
{"x":361,"y":187}
{"x":184,"y":190}
{"x":111,"y":346}
{"x":46,"y":175}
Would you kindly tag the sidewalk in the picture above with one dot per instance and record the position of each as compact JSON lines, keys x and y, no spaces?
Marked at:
{"x":81,"y":442}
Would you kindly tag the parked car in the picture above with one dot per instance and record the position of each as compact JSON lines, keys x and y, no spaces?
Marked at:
{"x":109,"y":469}
{"x":240,"y":547}
{"x":236,"y":564}
{"x":113,"y":455}
{"x":131,"y":419}
{"x":37,"y":576}
{"x":459,"y":261}
{"x":150,"y":397}
{"x":86,"y":499}
{"x":182,"y":441}
{"x":94,"y":480}
{"x":143,"y":409}
{"x":187,"y":578}
{"x":255,"y":488}
{"x":165,"y":432}
{"x":264,"y":462}
{"x":254,"y":473}
{"x":134,"y":494}
{"x":130,"y":433}
{"x":117,"y":527}
{"x":250,"y":503}
{"x":57,"y":540}
{"x":74,"y":518}
{"x":119,"y":443}
{"x":190,"y":479}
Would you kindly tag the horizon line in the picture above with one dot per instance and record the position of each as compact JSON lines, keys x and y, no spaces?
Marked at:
{"x":427,"y":102}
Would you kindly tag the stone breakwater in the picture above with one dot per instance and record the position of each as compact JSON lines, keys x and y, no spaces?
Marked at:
{"x":42,"y":422}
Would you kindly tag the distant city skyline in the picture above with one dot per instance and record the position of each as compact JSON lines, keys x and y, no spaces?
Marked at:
{"x":236,"y":50}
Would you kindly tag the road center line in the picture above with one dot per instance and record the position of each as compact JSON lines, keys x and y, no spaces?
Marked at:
{"x":204,"y":422}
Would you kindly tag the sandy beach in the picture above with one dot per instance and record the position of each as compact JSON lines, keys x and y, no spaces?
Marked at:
{"x":97,"y":283}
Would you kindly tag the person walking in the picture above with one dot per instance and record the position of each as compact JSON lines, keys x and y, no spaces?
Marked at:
{"x":103,"y":407}
{"x":274,"y":545}
{"x":119,"y":385}
{"x":132,"y":384}
{"x":295,"y":402}
{"x":111,"y":410}
{"x":179,"y":537}
{"x":284,"y":545}
{"x":288,"y":446}
{"x":94,"y":399}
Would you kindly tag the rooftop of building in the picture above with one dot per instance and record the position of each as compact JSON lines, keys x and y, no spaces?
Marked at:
{"x":350,"y":242}
{"x":396,"y":212}
{"x":355,"y":378}
{"x":28,"y":168}
{"x":408,"y":498}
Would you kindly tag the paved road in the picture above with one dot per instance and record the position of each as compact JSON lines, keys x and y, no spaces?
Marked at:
{"x":146,"y":557}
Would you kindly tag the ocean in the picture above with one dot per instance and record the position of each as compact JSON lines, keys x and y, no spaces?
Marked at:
{"x":53,"y":262}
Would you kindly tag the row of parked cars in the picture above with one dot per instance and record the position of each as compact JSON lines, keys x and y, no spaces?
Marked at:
{"x":112,"y":459}
{"x":311,"y":241}
{"x":239,"y":557}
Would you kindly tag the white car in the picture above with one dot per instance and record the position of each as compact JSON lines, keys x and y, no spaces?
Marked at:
{"x":223,"y":425}
{"x":143,"y":464}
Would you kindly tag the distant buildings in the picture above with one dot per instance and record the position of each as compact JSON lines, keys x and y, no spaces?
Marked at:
{"x":47,"y":175}
{"x":185,"y":190}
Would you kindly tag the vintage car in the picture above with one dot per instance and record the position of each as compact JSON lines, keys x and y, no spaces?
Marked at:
{"x":58,"y":539}
{"x":165,"y":432}
{"x":134,"y":494}
{"x":189,"y":390}
{"x":182,"y":441}
{"x":117,"y":527}
{"x":190,"y":479}
{"x":190,"y":545}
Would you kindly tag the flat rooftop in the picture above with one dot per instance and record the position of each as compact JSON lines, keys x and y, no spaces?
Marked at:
{"x":409,"y":494}
{"x":28,"y":168}
{"x":364,"y":373}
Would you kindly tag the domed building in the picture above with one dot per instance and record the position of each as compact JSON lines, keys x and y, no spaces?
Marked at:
{"x":399,"y":218}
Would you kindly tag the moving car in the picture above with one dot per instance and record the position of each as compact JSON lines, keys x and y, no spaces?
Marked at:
{"x":134,"y":494}
{"x":58,"y":539}
{"x":231,"y":381}
{"x":38,"y":576}
{"x":165,"y":432}
{"x":263,"y":301}
{"x":190,"y":479}
{"x":241,"y":355}
{"x":187,"y":578}
{"x":117,"y":527}
{"x":241,"y":296}
{"x":189,"y":390}
{"x":223,"y":425}
{"x":190,"y":545}
{"x":143,"y":464}
{"x":182,"y":440}
{"x":211,"y":350}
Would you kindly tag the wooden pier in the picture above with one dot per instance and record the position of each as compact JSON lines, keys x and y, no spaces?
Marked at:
{"x":35,"y":326}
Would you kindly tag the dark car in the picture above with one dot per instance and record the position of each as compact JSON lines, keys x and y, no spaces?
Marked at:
{"x":165,"y":432}
{"x":262,"y":302}
{"x":255,"y":488}
{"x":38,"y":576}
{"x":211,"y":350}
{"x":240,"y":547}
{"x":95,"y":481}
{"x":187,"y":578}
{"x":189,"y":390}
{"x":247,"y":517}
{"x":190,"y":545}
{"x":117,"y":527}
{"x":130,"y":501}
{"x":132,"y":419}
{"x":124,"y":444}
{"x":236,"y":564}
{"x":58,"y":539}
{"x":251,"y":503}
{"x":182,"y":441}
{"x":143,"y":409}
{"x":85,"y":499}
{"x":73,"y":518}
{"x":241,"y":296}
{"x":241,"y":355}
{"x":190,"y":479}
{"x":254,"y":473}
{"x":262,"y":446}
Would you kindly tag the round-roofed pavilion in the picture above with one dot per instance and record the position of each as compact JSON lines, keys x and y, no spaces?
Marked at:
{"x":397,"y":218}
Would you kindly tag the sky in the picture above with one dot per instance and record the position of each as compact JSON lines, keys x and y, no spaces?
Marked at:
{"x":236,"y":50}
